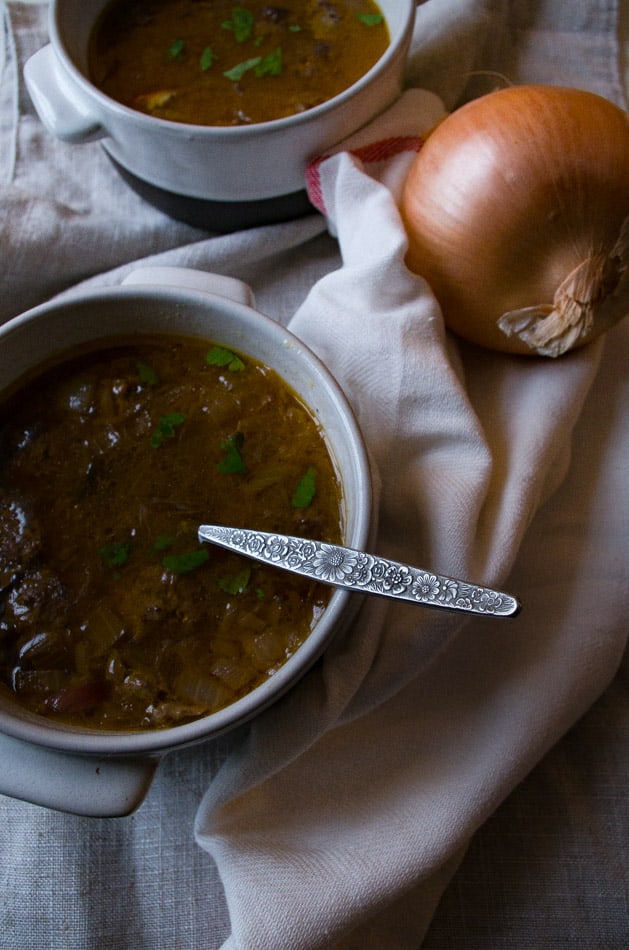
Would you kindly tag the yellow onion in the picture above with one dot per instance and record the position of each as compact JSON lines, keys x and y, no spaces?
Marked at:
{"x":517,"y":213}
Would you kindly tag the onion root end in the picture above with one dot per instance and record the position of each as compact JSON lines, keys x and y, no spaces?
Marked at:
{"x":589,"y":301}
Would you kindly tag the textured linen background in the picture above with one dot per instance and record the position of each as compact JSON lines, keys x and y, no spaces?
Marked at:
{"x":352,"y":844}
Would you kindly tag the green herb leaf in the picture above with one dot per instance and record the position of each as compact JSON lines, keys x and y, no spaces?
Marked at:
{"x":221,"y":356}
{"x":166,"y":428}
{"x":233,"y":462}
{"x":162,"y":542}
{"x":147,"y":375}
{"x":237,"y":583}
{"x":270,"y":65}
{"x":208,"y":57}
{"x":241,"y":23}
{"x":370,"y":19}
{"x":237,"y":72}
{"x":294,"y":28}
{"x":306,"y":489}
{"x":175,"y":50}
{"x":116,"y":553}
{"x":184,"y":563}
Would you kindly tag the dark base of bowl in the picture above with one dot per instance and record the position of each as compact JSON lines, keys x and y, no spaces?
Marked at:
{"x":223,"y":217}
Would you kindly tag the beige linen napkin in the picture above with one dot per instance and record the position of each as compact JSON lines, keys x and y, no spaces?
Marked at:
{"x":371,"y":776}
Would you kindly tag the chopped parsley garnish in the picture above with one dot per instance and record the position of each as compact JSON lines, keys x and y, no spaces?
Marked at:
{"x":221,"y":356}
{"x":116,"y":553}
{"x":306,"y":489}
{"x":241,"y":24}
{"x":162,"y":542}
{"x":270,"y":65}
{"x":238,"y":71}
{"x":184,"y":563}
{"x":175,"y":50}
{"x":233,"y":463}
{"x":166,"y":428}
{"x":237,"y":583}
{"x":370,"y":19}
{"x":208,"y":56}
{"x":147,"y":375}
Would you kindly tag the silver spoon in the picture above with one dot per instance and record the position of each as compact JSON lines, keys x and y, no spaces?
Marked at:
{"x":361,"y":572}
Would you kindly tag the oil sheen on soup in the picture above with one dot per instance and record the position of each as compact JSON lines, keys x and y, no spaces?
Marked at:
{"x":210,"y":62}
{"x":113,"y":615}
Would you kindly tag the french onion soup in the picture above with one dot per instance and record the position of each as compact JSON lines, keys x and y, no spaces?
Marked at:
{"x":113,"y":615}
{"x":211,"y":62}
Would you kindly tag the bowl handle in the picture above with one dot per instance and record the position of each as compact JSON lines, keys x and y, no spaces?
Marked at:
{"x":188,"y":278}
{"x":78,"y":784}
{"x":59,"y":107}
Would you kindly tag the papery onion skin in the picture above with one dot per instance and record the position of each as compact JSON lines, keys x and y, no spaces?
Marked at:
{"x":517,"y":214}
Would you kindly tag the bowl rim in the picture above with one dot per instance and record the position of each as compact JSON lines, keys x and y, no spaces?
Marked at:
{"x":19,"y":723}
{"x":232,"y":132}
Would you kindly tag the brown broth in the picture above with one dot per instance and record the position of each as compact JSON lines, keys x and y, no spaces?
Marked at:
{"x":213,"y":62}
{"x":113,"y":615}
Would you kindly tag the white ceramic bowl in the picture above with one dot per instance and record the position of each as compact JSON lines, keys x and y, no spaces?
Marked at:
{"x":211,"y":176}
{"x":108,"y":773}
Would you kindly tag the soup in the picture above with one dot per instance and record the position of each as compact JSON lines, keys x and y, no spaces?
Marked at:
{"x":113,"y":615}
{"x":208,"y":62}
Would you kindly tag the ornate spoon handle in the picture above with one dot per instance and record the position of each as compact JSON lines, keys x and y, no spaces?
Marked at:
{"x":361,"y":572}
